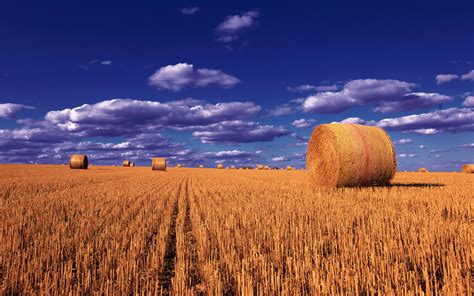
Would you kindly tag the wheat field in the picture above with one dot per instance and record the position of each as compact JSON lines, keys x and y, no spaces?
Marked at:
{"x":236,"y":232}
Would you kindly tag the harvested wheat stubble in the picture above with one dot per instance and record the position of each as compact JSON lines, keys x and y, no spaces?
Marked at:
{"x":78,"y":161}
{"x":468,"y":168}
{"x":158,"y":164}
{"x":126,"y":163}
{"x":348,"y":155}
{"x":422,"y":170}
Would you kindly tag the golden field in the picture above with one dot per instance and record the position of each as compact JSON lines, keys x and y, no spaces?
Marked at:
{"x":207,"y":231}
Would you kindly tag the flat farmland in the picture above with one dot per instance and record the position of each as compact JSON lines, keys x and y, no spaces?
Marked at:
{"x":131,"y":230}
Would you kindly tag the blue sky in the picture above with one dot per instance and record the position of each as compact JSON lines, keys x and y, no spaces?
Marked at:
{"x":240,"y":83}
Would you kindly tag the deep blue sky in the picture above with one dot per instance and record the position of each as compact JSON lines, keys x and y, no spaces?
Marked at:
{"x":353,"y":57}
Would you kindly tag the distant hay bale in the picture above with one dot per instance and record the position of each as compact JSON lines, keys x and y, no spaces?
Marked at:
{"x":289,"y":168}
{"x":126,"y":163}
{"x":275,"y":168}
{"x":79,"y":161}
{"x":132,"y":164}
{"x":158,"y":164}
{"x":179,"y":165}
{"x":468,"y":168}
{"x":422,"y":170}
{"x":341,"y":155}
{"x":259,"y":167}
{"x":220,"y":166}
{"x":201,"y":166}
{"x":266,"y":167}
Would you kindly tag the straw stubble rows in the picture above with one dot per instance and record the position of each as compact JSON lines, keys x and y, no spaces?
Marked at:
{"x":207,"y":231}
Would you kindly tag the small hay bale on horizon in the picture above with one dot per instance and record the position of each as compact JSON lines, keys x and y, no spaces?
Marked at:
{"x":468,"y":168}
{"x":158,"y":164}
{"x":348,"y":155}
{"x":259,"y":167}
{"x":289,"y":168}
{"x":78,"y":162}
{"x":422,"y":170}
{"x":220,"y":166}
{"x":179,"y":165}
{"x":126,"y":163}
{"x":201,"y":166}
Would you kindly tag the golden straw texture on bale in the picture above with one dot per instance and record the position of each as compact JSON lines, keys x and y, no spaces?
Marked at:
{"x":158,"y":164}
{"x":468,"y":168}
{"x":220,"y":166}
{"x":78,"y":161}
{"x":422,"y":170}
{"x":342,"y":155}
{"x":126,"y":163}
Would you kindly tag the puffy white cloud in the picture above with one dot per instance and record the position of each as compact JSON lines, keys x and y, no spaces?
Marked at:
{"x":125,"y":116}
{"x":468,"y":76}
{"x":291,"y":157}
{"x":422,"y":146}
{"x":468,"y":101}
{"x":106,"y":63}
{"x":238,"y":131}
{"x":303,"y":123}
{"x":10,"y":110}
{"x":226,"y":154}
{"x":445,"y":120}
{"x":176,"y":77}
{"x":386,"y":95}
{"x":404,"y":141}
{"x":354,"y":120}
{"x":403,"y":155}
{"x":235,"y":23}
{"x":189,"y":10}
{"x":445,"y":78}
{"x":309,"y":87}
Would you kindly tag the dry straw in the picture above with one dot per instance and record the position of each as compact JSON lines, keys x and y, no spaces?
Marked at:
{"x":158,"y":164}
{"x":78,"y":161}
{"x":350,"y":155}
{"x":126,"y":163}
{"x":422,"y":170}
{"x":220,"y":166}
{"x":468,"y":168}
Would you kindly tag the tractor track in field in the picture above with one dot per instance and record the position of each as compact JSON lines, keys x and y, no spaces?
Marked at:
{"x":194,"y":276}
{"x":168,"y":270}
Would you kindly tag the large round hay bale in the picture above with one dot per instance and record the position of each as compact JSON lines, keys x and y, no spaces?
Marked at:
{"x":158,"y":164}
{"x":126,"y":163}
{"x":220,"y":166}
{"x":350,"y":155}
{"x":422,"y":170}
{"x":468,"y":168}
{"x":79,"y":161}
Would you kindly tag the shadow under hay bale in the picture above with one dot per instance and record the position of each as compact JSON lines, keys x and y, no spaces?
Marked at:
{"x":78,"y":162}
{"x":349,"y":155}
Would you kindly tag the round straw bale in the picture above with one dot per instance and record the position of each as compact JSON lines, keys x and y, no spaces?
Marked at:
{"x":132,"y":164}
{"x":220,"y":166}
{"x":201,"y":166}
{"x":259,"y":167}
{"x":289,"y":168}
{"x":78,"y":161}
{"x":266,"y":167}
{"x":422,"y":170}
{"x":468,"y":168}
{"x":158,"y":164}
{"x":126,"y":163}
{"x":350,"y":155}
{"x":275,"y":168}
{"x":179,"y":165}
